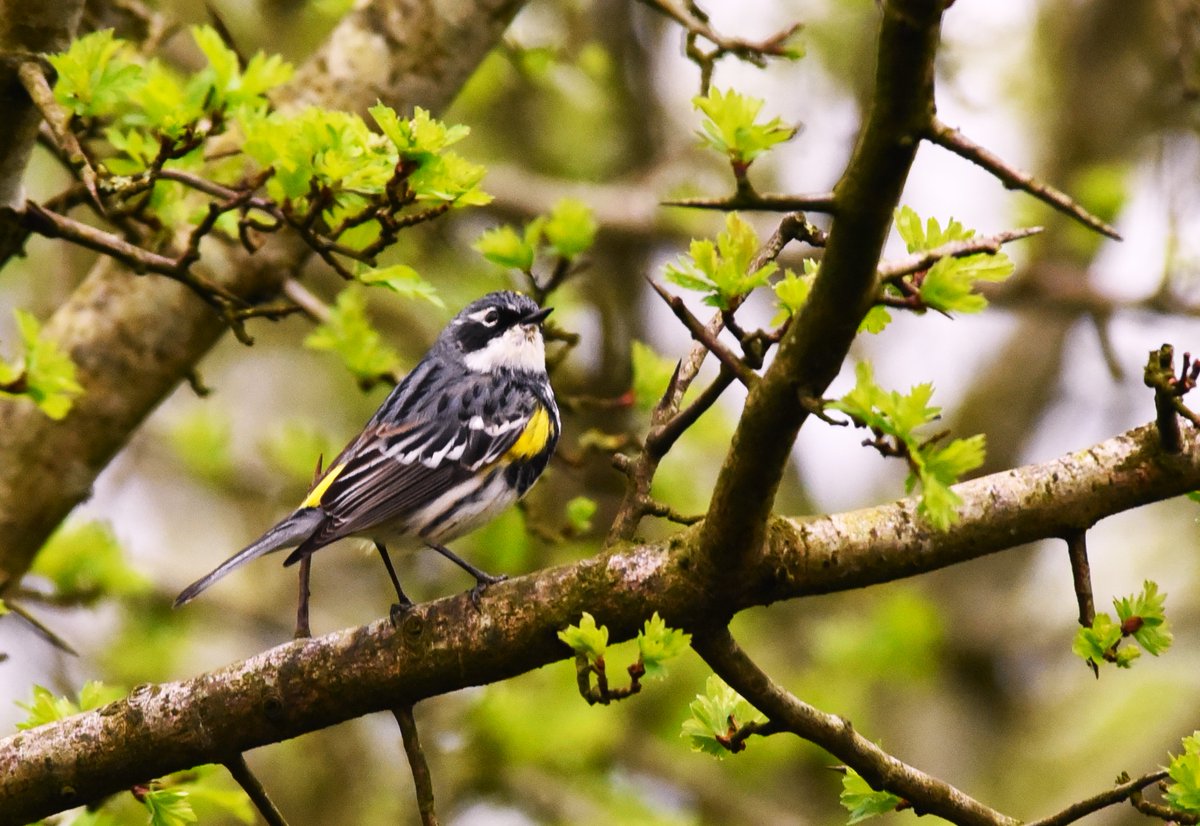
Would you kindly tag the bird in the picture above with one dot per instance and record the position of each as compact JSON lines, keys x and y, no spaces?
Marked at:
{"x":460,"y":438}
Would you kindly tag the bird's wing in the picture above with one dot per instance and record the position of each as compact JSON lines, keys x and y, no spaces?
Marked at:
{"x":396,"y":467}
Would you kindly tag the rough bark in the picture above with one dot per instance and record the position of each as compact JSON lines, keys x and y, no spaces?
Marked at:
{"x":447,"y":645}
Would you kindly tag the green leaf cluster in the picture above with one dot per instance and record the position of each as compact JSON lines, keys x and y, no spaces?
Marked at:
{"x":722,"y":270}
{"x":402,"y":280}
{"x":85,"y":561}
{"x":658,"y":643}
{"x":1183,"y":792}
{"x":348,"y":334}
{"x":567,"y":231}
{"x":45,"y":707}
{"x":1141,"y":616}
{"x":936,"y":467}
{"x":715,"y":716}
{"x":580,"y":511}
{"x":45,"y":374}
{"x":861,"y":801}
{"x":948,"y":286}
{"x":731,"y":128}
{"x":586,"y":639}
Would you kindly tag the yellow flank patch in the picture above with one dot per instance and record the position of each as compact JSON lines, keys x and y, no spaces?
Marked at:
{"x":314,"y":497}
{"x":533,"y":438}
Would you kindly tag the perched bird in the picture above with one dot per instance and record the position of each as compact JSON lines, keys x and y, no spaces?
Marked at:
{"x":459,"y":439}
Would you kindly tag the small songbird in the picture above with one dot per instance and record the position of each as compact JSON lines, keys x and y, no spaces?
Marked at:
{"x":459,"y":439}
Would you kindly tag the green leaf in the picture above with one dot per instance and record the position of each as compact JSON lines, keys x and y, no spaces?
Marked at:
{"x":46,"y":375}
{"x":1096,"y":643}
{"x":1145,"y":613}
{"x":44,"y":708}
{"x":586,"y":639}
{"x":169,"y":807}
{"x":95,"y":694}
{"x":85,"y":560}
{"x":403,"y":280}
{"x":503,"y":246}
{"x":715,"y":716}
{"x":657,"y":643}
{"x":348,"y":334}
{"x":651,"y":374}
{"x":791,"y":291}
{"x":580,"y":511}
{"x":96,"y":74}
{"x":861,"y":801}
{"x":721,"y":270}
{"x":1183,"y":792}
{"x":875,"y":321}
{"x":730,"y":126}
{"x":570,"y":228}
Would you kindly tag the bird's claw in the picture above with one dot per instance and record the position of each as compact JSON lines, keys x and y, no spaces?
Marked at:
{"x":481,"y":585}
{"x":398,"y":612}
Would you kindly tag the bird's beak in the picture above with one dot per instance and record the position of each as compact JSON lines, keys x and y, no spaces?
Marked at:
{"x":538,"y":317}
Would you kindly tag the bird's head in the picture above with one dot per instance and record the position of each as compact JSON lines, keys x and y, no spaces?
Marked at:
{"x":502,"y":330}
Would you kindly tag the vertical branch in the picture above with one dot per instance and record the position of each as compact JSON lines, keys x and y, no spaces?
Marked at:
{"x":422,"y":779}
{"x":1081,"y":571}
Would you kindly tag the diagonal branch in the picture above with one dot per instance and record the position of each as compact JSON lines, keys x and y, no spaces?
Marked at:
{"x":446,"y":645}
{"x":882,"y":771}
{"x":1013,"y":178}
{"x":954,"y":249}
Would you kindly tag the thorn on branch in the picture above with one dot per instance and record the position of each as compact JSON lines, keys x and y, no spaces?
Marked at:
{"x":417,"y":763}
{"x":1013,"y":178}
{"x":699,"y":332}
{"x":1081,"y":575}
{"x":749,"y":200}
{"x":255,"y":790}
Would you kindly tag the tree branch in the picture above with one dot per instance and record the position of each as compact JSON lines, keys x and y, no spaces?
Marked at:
{"x":446,"y":645}
{"x":882,"y":771}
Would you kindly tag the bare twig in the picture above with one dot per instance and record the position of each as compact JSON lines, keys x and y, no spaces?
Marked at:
{"x":701,"y":333}
{"x":1158,"y":810}
{"x":422,"y":779}
{"x":766,"y":202}
{"x":1013,"y":178}
{"x":1108,"y":797}
{"x":255,"y":790}
{"x":917,"y":262}
{"x":1169,"y":390}
{"x":927,"y":794}
{"x":41,"y":629}
{"x":1081,"y":573}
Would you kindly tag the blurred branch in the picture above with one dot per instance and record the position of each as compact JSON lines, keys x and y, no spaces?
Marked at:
{"x":255,"y":790}
{"x":766,"y":202}
{"x":1013,"y":178}
{"x":882,"y":771}
{"x":422,"y":779}
{"x":1117,"y":794}
{"x":446,"y":645}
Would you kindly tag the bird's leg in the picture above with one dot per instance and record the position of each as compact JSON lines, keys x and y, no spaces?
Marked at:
{"x":482,"y":579}
{"x":403,"y":602}
{"x":302,"y":629}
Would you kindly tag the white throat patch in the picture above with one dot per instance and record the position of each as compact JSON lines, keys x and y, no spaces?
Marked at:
{"x":519,"y":348}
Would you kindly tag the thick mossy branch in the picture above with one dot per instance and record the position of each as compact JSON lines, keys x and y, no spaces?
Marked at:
{"x":447,"y":645}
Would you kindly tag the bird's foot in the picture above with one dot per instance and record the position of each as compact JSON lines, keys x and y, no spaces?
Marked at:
{"x":481,"y":584}
{"x":398,"y":611}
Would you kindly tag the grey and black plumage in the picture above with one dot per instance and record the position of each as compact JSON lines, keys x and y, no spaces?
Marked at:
{"x":459,"y":439}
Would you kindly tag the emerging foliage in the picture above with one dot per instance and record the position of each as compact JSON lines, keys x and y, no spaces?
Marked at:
{"x":651,"y":374}
{"x":85,"y":561}
{"x":586,"y":639}
{"x":45,"y":374}
{"x":722,"y":270}
{"x":861,"y":801}
{"x":1183,"y":792}
{"x":894,"y":419}
{"x":348,"y":334}
{"x":1141,"y":616}
{"x":717,"y":715}
{"x":731,"y":126}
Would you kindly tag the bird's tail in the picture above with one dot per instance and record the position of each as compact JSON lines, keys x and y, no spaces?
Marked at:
{"x":291,"y":531}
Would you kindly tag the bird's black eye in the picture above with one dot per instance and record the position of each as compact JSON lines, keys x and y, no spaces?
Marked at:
{"x":491,"y":317}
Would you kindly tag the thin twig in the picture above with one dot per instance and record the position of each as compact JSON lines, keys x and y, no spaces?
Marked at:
{"x":917,"y":262}
{"x":699,"y":332}
{"x":823,"y":202}
{"x":1108,"y":797}
{"x":309,"y":304}
{"x":1013,"y":178}
{"x":417,"y":763}
{"x":927,"y":794}
{"x":40,"y":629}
{"x":255,"y":790}
{"x":1162,"y":812}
